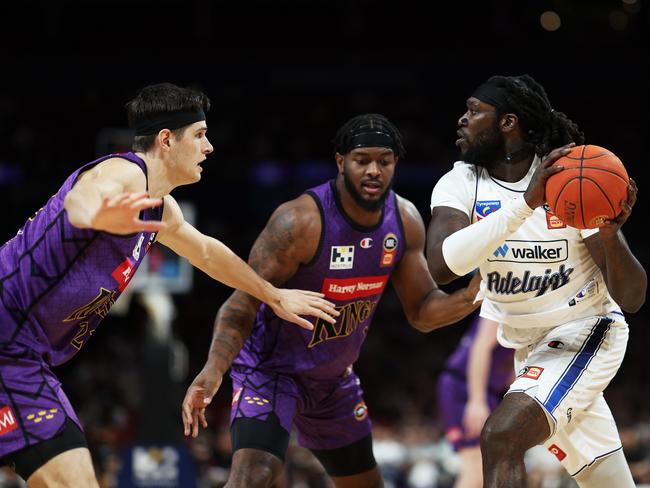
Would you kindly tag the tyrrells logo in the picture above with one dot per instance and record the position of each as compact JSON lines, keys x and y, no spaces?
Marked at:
{"x":516,"y":251}
{"x":511,"y":285}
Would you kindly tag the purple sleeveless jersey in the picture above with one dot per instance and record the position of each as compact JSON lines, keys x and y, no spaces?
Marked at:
{"x":304,"y":378}
{"x":351,"y":267}
{"x":57,"y":283}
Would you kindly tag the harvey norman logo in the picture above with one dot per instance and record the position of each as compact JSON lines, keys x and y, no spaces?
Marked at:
{"x":349,"y":288}
{"x":531,"y":252}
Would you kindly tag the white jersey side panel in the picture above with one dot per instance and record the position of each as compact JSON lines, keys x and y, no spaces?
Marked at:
{"x":542,"y":276}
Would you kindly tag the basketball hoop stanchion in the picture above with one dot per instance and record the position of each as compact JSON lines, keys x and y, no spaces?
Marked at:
{"x":159,"y":457}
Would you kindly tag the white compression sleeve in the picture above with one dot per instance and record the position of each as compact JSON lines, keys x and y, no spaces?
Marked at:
{"x":468,"y":248}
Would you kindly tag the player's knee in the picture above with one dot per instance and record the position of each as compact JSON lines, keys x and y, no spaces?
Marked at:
{"x":260,"y":476}
{"x":499,"y":435}
{"x":254,"y":469}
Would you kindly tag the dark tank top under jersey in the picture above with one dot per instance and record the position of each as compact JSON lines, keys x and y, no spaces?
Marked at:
{"x":57,"y":282}
{"x":351,"y":267}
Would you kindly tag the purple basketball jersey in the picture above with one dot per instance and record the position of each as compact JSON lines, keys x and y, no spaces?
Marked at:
{"x":351,"y":267}
{"x":58,"y":282}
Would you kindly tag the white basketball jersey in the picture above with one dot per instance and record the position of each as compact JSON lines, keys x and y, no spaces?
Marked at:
{"x":540,"y":277}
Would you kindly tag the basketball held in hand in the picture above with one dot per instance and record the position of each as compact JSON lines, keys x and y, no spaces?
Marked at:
{"x":589,"y":190}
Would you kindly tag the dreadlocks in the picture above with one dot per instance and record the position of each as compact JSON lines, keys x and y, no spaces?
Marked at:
{"x":543,"y":128}
{"x":368,"y":130}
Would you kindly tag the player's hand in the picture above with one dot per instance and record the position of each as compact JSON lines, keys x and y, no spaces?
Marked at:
{"x":294,"y":303}
{"x":612,"y":227}
{"x":474,"y":417}
{"x":197,"y":398}
{"x":120,"y":214}
{"x":535,"y":193}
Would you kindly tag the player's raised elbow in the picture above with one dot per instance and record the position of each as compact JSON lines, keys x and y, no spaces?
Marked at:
{"x":633,"y":304}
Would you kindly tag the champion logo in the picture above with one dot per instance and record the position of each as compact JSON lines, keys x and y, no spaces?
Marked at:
{"x":366,"y":242}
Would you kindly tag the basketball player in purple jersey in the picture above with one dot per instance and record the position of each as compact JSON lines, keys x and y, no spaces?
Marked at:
{"x":344,"y":238}
{"x":68,"y":264}
{"x":475,"y":377}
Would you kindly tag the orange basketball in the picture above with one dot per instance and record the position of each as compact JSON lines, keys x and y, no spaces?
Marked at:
{"x":590,"y":188}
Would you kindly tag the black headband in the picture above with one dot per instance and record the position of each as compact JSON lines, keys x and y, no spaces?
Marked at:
{"x":171,"y":121}
{"x":369,"y":139}
{"x":494,"y":95}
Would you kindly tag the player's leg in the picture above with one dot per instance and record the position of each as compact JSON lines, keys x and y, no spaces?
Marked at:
{"x":589,"y":448}
{"x":62,"y":461}
{"x":452,"y":400}
{"x":516,"y":425}
{"x":259,"y":449}
{"x":562,"y":378}
{"x":263,"y":409}
{"x":351,"y":466}
{"x":335,"y":426}
{"x":38,"y":427}
{"x":470,"y":474}
{"x":611,"y":470}
{"x":67,"y":470}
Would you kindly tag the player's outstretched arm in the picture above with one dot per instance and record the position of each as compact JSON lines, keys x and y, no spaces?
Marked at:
{"x":465,"y":249}
{"x":625,"y":277}
{"x":219,"y":262}
{"x":109,"y":197}
{"x":289,"y":239}
{"x":426,"y":306}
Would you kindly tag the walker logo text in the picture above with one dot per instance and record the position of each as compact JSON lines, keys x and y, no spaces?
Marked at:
{"x":531,"y":252}
{"x":351,"y":315}
{"x":511,"y":285}
{"x":486,"y":207}
{"x":349,"y":288}
{"x":7,"y":420}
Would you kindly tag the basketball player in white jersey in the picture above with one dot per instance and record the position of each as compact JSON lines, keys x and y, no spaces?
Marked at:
{"x":557,"y":292}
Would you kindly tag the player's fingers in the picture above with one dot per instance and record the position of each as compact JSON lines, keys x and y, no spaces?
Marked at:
{"x":115,"y":200}
{"x":304,"y":323}
{"x":631,"y":193}
{"x":556,"y":154}
{"x":204,"y":421}
{"x":312,"y":293}
{"x":325,"y":306}
{"x":195,"y":424}
{"x":186,"y":414}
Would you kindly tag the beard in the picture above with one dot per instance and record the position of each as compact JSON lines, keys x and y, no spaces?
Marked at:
{"x":488,"y":149}
{"x":369,"y":205}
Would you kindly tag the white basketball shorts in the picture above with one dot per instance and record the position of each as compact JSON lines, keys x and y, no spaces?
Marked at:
{"x":566,"y":373}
